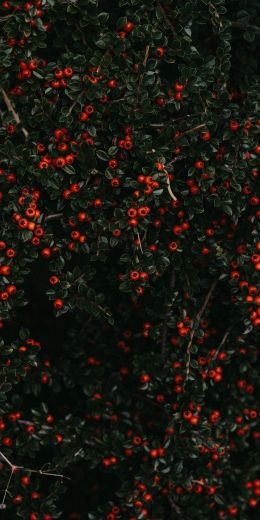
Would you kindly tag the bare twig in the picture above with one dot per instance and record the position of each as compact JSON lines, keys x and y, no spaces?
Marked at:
{"x":106,"y":53}
{"x":140,"y":242}
{"x":192,"y":130}
{"x":12,"y":110}
{"x":197,"y":318}
{"x":54,"y":216}
{"x":6,"y":459}
{"x":44,"y":473}
{"x":14,"y":468}
{"x":223,"y":341}
{"x":158,"y":125}
{"x":169,"y":186}
{"x":3,"y":504}
{"x":216,"y":15}
{"x":75,"y":102}
{"x":118,"y":100}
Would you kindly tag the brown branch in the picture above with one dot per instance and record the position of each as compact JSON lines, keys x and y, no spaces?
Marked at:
{"x":53,"y":217}
{"x":223,"y":341}
{"x":12,"y":110}
{"x":216,"y":15}
{"x":192,"y":130}
{"x":118,"y":100}
{"x":197,"y":318}
{"x":169,"y":187}
{"x":106,"y":53}
{"x":168,"y":179}
{"x":75,"y":102}
{"x":140,"y":242}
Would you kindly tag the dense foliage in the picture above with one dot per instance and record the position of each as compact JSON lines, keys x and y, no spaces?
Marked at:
{"x":129,"y":259}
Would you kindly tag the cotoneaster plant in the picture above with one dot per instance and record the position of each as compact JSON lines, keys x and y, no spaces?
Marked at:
{"x":129,"y":259}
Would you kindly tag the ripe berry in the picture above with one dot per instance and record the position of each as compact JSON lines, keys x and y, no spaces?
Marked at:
{"x":233,"y":125}
{"x":7,"y":441}
{"x":112,"y":83}
{"x":153,"y":454}
{"x":58,"y":304}
{"x":25,"y":480}
{"x":199,"y":165}
{"x":144,"y":378}
{"x":205,"y":136}
{"x":178,"y":86}
{"x":128,"y":27}
{"x":160,"y":52}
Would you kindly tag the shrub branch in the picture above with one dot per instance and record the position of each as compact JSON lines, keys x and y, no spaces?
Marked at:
{"x":11,"y":109}
{"x":198,"y":318}
{"x":14,"y":468}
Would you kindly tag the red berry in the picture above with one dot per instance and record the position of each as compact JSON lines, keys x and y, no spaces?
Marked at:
{"x":178,"y":86}
{"x":58,"y":304}
{"x":128,"y":27}
{"x":144,"y":378}
{"x":112,"y":83}
{"x":233,"y":125}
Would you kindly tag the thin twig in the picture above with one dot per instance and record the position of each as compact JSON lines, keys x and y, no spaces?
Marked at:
{"x":6,"y":459}
{"x":54,"y":216}
{"x":75,"y":102}
{"x":139,"y":242}
{"x":197,"y":318}
{"x":223,"y":341}
{"x":169,"y":186}
{"x":192,"y":130}
{"x":44,"y":473}
{"x":3,"y":504}
{"x":118,"y":100}
{"x":12,"y":110}
{"x":106,"y":53}
{"x":216,"y":15}
{"x":14,"y":468}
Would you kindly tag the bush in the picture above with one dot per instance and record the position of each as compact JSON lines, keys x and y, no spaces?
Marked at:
{"x":129,"y":257}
